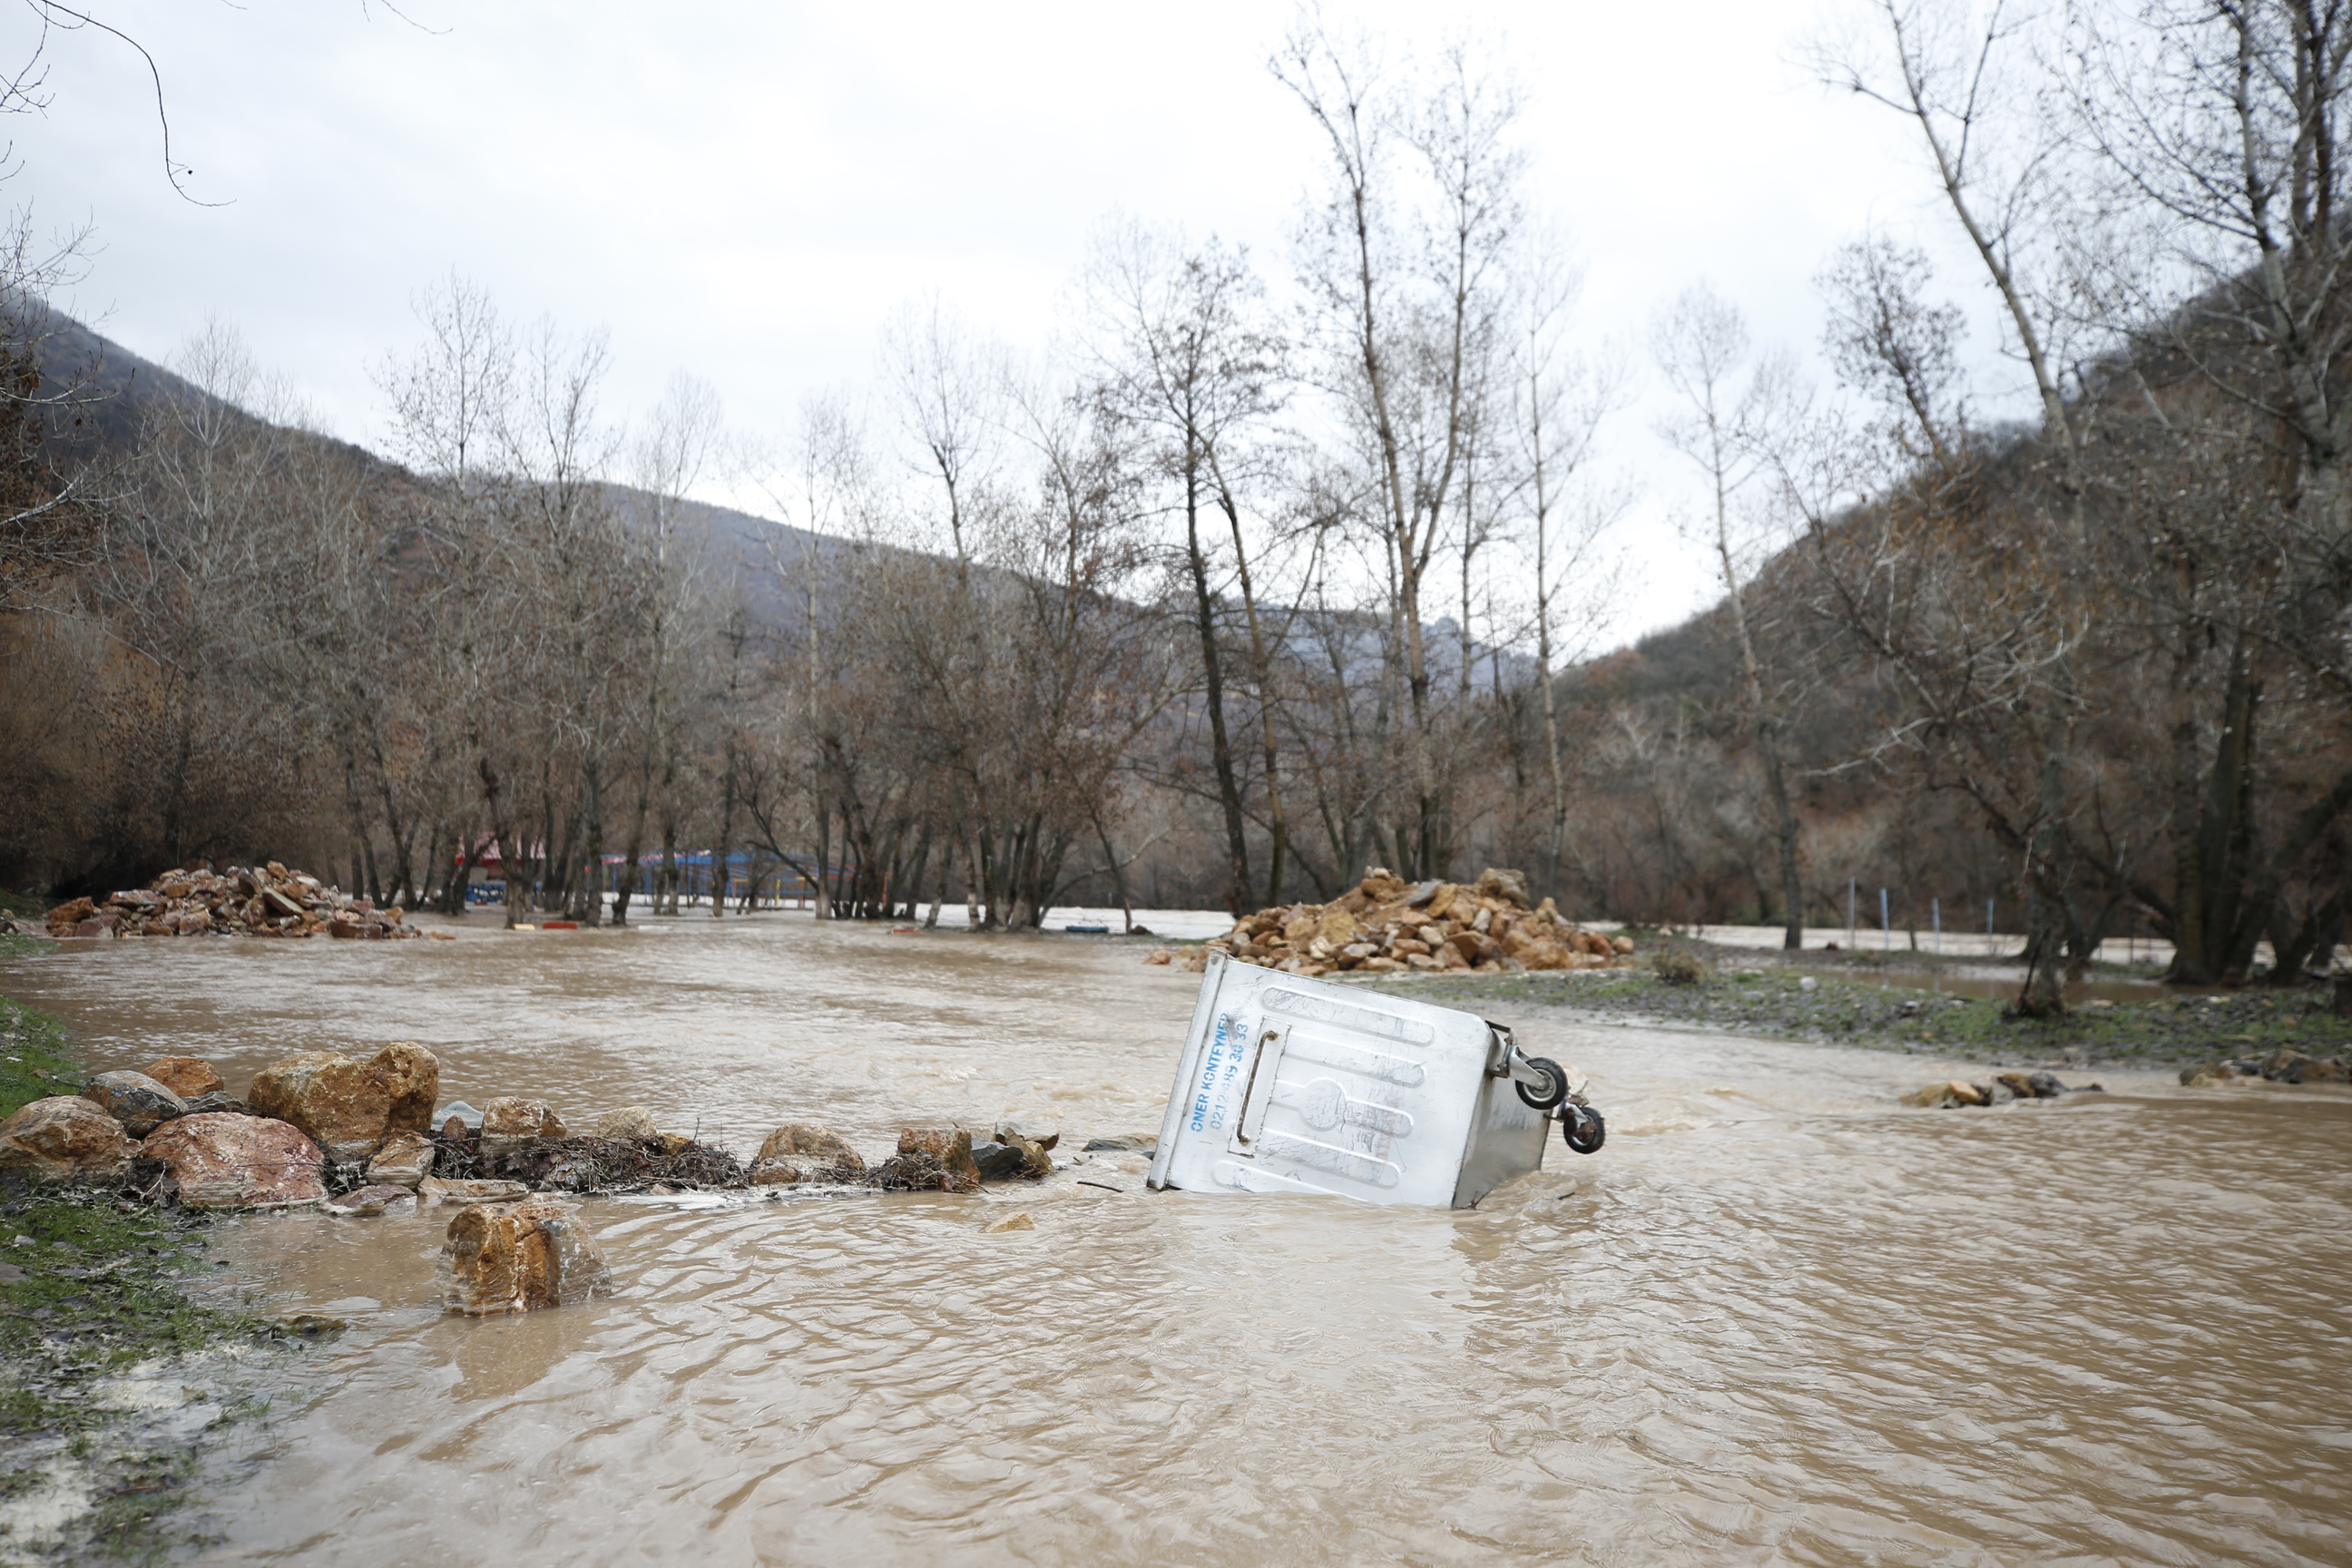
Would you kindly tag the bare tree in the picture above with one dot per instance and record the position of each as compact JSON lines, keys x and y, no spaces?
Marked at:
{"x":1731,"y":415}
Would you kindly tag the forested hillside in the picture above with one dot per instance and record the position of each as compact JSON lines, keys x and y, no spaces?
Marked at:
{"x":1236,"y":594}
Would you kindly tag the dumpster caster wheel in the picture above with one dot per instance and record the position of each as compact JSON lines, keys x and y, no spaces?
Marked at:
{"x":1547,"y":1098}
{"x":1583,"y":1129}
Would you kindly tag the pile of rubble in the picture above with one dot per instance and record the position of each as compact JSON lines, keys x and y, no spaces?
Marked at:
{"x":1386,"y":923}
{"x":239,"y":901}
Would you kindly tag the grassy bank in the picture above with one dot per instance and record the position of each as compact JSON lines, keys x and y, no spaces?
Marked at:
{"x":98,"y":1342}
{"x":1777,"y":1004}
{"x":35,"y":1061}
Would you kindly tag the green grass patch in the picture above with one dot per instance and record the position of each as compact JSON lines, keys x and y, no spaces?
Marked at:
{"x":91,"y":1287}
{"x":36,"y":1058}
{"x":1776,"y":1004}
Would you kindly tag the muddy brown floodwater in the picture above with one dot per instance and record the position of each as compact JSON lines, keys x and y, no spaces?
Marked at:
{"x":1775,"y":1320}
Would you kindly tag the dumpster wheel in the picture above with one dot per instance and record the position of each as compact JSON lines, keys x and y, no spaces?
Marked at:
{"x":1583,"y":1129}
{"x":1549,"y":1097}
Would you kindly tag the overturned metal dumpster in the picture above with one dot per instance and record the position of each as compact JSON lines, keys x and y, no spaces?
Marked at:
{"x":1292,"y":1085}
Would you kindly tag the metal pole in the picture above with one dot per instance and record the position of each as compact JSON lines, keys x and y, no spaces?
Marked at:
{"x":1849,"y":913}
{"x":1936,"y":911}
{"x":1885,"y":930}
{"x":1987,"y":927}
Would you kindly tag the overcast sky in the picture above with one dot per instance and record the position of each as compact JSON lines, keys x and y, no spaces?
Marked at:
{"x":748,"y":192}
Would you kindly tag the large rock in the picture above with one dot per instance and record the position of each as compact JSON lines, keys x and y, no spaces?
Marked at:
{"x":350,"y":1107}
{"x":222,"y":1159}
{"x":1031,"y":1157}
{"x":1506,"y":887}
{"x":804,"y":1152}
{"x":630,"y":1124}
{"x":187,"y":1076}
{"x":534,"y":1255}
{"x":511,"y":1120}
{"x":946,"y":1149}
{"x":133,"y":1099}
{"x":406,"y":1158}
{"x":63,"y":1136}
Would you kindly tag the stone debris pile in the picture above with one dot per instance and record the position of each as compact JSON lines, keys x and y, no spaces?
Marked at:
{"x":356,"y":1136}
{"x":239,"y":901}
{"x":2284,"y":1064}
{"x":1385,"y":924}
{"x":1947,"y":1094}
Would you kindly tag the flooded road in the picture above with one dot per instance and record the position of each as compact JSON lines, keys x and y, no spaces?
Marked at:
{"x":1775,"y":1320}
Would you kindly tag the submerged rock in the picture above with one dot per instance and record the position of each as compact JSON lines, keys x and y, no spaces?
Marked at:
{"x":1946,"y":1093}
{"x":536,"y":1255}
{"x":433,"y":1190}
{"x":1021,"y":1221}
{"x":406,"y":1158}
{"x":1125,"y":1143}
{"x":372,"y":1201}
{"x":63,"y":1136}
{"x":222,"y":1159}
{"x":187,"y":1076}
{"x":133,"y":1099}
{"x":350,"y":1107}
{"x":996,"y":1162}
{"x":1032,"y":1155}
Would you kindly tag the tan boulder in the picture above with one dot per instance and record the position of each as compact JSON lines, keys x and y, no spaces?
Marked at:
{"x":1623,"y":943}
{"x":1945,"y":1093}
{"x":512,"y":1120}
{"x":133,"y":1099}
{"x":187,"y":1076}
{"x":629,"y":1124}
{"x":1336,"y":927}
{"x":406,"y":1158}
{"x":1037,"y":1157}
{"x":222,"y":1159}
{"x":535,"y":1255}
{"x":64,"y":1135}
{"x":1157,"y":955}
{"x":813,"y":1139}
{"x":804,"y":1152}
{"x":1503,"y":887}
{"x":950,"y":1149}
{"x":350,"y":1107}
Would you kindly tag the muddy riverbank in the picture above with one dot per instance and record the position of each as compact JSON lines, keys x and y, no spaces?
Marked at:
{"x":1776,"y":1316}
